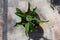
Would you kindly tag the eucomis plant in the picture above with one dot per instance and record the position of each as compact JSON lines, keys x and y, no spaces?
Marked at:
{"x":29,"y":19}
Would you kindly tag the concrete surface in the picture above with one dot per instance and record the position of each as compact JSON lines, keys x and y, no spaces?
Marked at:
{"x":1,"y":21}
{"x":18,"y":33}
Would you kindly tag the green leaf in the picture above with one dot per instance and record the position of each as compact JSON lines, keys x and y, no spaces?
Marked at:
{"x":18,"y":10}
{"x":36,"y":19}
{"x":20,"y":13}
{"x":43,"y":21}
{"x":29,"y":12}
{"x":29,"y":18}
{"x":28,"y":6}
{"x":34,"y":10}
{"x":18,"y":23}
{"x":27,"y":28}
{"x":31,"y":26}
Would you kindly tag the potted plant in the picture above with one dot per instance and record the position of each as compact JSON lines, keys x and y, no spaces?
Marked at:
{"x":30,"y":19}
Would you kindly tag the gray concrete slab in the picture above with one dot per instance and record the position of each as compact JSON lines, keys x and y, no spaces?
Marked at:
{"x":13,"y":3}
{"x":1,"y":20}
{"x":1,"y":3}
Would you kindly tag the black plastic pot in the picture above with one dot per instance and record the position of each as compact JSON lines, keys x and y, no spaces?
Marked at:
{"x":37,"y":34}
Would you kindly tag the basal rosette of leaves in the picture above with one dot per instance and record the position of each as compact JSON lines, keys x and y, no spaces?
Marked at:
{"x":29,"y":19}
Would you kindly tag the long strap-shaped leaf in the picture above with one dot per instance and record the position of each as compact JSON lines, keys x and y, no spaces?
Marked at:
{"x":19,"y":13}
{"x":18,"y":10}
{"x":19,"y":23}
{"x":27,"y":28}
{"x":34,"y":10}
{"x":28,"y":7}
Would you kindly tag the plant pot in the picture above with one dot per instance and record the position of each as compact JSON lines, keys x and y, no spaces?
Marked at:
{"x":36,"y":34}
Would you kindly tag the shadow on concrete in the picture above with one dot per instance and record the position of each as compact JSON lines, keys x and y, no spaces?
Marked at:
{"x":55,"y":2}
{"x":5,"y":11}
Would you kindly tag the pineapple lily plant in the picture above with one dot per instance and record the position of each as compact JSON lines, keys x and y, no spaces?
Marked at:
{"x":29,"y":19}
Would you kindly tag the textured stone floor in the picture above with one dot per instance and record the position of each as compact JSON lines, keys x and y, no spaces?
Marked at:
{"x":0,"y":30}
{"x":1,"y":12}
{"x":12,"y":4}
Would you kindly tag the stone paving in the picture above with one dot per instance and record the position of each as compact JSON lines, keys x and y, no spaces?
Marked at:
{"x":17,"y":33}
{"x":0,"y":29}
{"x":1,"y":21}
